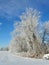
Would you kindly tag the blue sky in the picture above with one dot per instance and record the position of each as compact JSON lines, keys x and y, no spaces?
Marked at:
{"x":10,"y":11}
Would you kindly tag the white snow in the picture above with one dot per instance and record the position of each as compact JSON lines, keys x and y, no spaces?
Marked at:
{"x":46,"y":56}
{"x":6,"y":58}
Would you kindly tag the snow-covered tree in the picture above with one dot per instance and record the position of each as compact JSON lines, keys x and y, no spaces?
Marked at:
{"x":46,"y":35}
{"x":24,"y":35}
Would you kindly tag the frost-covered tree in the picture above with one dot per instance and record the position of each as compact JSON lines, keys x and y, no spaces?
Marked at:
{"x":46,"y":25}
{"x":46,"y":35}
{"x":24,"y":35}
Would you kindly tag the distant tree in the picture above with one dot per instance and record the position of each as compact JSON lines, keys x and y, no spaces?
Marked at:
{"x":4,"y":49}
{"x":46,"y":32}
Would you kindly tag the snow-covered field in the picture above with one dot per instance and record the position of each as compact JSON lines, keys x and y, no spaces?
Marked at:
{"x":6,"y":58}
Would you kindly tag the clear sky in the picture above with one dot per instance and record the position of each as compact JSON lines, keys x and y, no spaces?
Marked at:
{"x":10,"y":11}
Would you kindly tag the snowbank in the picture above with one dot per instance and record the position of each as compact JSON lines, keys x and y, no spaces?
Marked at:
{"x":6,"y":58}
{"x":46,"y":56}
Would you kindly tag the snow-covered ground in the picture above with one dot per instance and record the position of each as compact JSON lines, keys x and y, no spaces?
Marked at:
{"x":6,"y":58}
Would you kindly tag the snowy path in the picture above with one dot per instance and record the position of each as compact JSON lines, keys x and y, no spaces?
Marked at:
{"x":8,"y":59}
